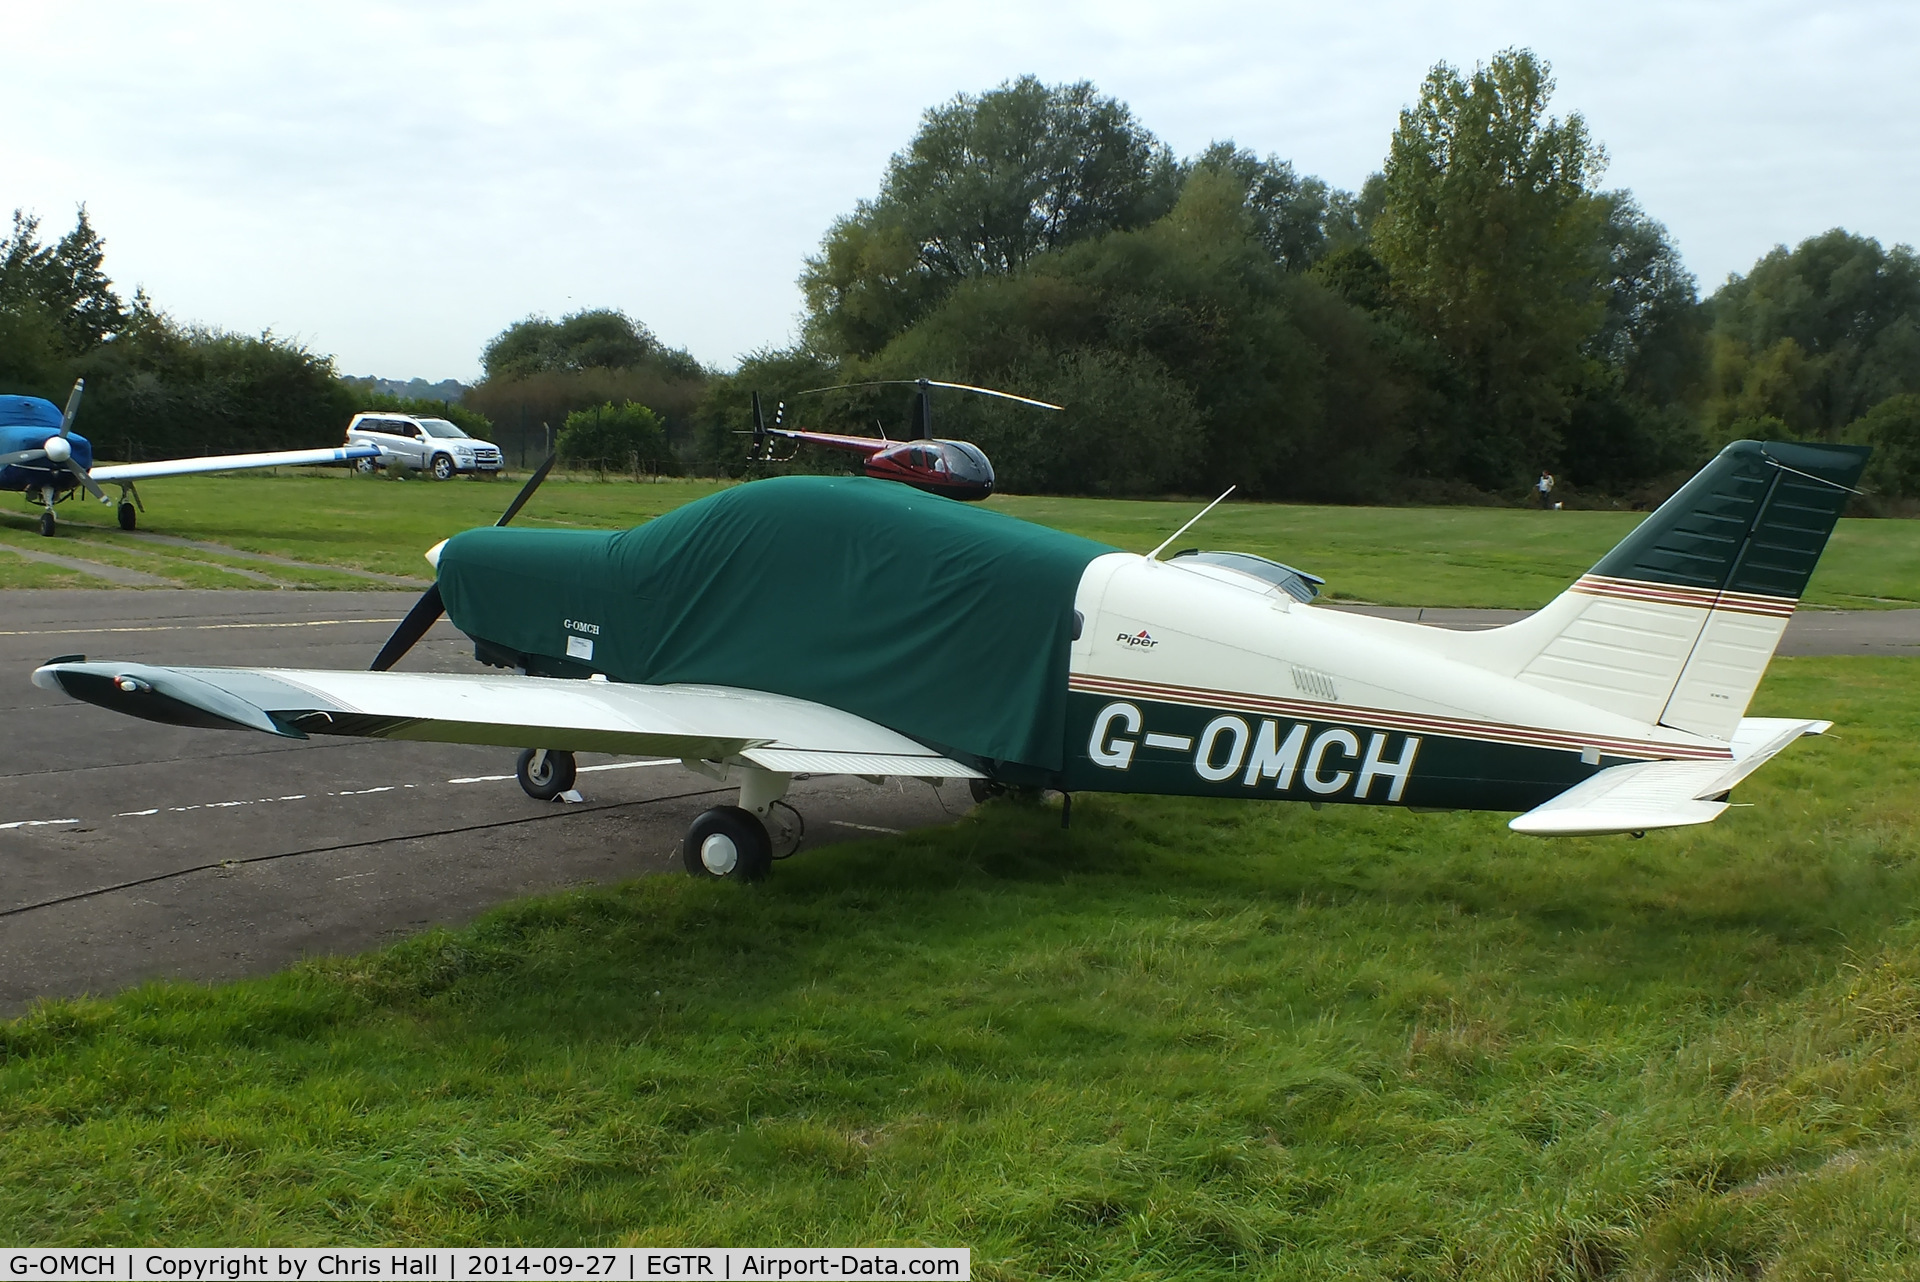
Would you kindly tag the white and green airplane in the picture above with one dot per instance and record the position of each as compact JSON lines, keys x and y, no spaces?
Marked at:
{"x":814,"y":625}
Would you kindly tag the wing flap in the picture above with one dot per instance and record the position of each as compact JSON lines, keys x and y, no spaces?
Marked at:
{"x":858,"y":763}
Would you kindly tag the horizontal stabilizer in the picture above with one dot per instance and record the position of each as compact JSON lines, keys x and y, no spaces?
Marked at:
{"x":1662,"y":794}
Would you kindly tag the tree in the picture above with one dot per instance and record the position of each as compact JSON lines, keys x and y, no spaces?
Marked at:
{"x":1290,"y":214}
{"x":1491,"y":238}
{"x":988,"y":183}
{"x":64,"y":279}
{"x":616,"y":436}
{"x":1816,"y":336}
{"x":594,"y":339}
{"x":1186,"y":358}
{"x":1893,"y":429}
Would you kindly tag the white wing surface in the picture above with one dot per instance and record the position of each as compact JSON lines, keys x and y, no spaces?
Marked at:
{"x":1662,"y":794}
{"x":231,"y":463}
{"x":692,"y":722}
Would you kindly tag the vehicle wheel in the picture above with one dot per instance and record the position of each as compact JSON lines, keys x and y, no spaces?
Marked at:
{"x":365,"y":466}
{"x":544,"y":774}
{"x":985,"y":790}
{"x":728,"y":843}
{"x":46,"y":524}
{"x":128,"y":518}
{"x":442,"y":468}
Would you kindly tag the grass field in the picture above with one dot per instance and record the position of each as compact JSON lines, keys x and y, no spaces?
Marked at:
{"x":1400,"y":556}
{"x":1184,"y":1039}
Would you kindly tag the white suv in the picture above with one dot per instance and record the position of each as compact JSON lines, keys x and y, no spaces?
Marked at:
{"x":429,"y":444}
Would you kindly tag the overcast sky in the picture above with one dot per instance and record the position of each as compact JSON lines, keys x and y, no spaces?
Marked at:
{"x":395,"y":185}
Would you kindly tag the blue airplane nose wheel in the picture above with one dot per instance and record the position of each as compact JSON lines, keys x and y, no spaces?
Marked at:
{"x":728,"y":843}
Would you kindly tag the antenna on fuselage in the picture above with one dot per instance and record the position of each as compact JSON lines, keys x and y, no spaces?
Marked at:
{"x":1155,"y":554}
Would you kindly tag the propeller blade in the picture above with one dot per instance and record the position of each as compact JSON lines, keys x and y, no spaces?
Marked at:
{"x":425,"y":613}
{"x":73,"y":405}
{"x":21,"y":456}
{"x":92,"y":487}
{"x":427,"y":610}
{"x":526,"y":491}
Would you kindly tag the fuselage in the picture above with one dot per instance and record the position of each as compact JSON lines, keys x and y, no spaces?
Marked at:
{"x":1063,"y":663}
{"x":1198,"y":680}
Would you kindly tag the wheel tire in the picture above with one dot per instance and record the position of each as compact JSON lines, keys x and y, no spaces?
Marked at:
{"x":365,"y":466}
{"x":443,"y":468}
{"x":46,"y":524}
{"x":128,"y":517}
{"x":727,"y":844}
{"x":985,"y":790}
{"x":555,"y":775}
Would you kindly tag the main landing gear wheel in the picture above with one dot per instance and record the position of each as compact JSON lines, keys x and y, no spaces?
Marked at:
{"x":544,"y":774}
{"x":46,"y":524}
{"x":728,"y":843}
{"x":127,"y":518}
{"x":442,"y":468}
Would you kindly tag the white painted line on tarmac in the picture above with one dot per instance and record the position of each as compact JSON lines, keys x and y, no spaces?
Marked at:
{"x":848,"y":823}
{"x":348,"y":792}
{"x":187,"y":627}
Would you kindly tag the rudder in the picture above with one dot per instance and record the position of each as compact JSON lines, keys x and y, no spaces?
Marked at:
{"x":1677,"y":623}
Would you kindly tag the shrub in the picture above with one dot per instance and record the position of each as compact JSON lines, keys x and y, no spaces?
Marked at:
{"x":616,"y":436}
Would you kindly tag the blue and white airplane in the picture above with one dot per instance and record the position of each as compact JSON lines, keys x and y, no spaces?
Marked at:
{"x":42,"y":457}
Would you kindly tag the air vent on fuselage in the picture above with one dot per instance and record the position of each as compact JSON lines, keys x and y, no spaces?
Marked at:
{"x":1316,"y":685}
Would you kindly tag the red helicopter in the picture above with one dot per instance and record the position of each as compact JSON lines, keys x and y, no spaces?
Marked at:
{"x":953,"y":469}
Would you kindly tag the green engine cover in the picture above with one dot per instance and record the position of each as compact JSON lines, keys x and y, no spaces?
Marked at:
{"x":944,"y":621}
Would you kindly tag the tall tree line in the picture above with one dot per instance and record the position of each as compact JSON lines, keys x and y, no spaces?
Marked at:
{"x":1482,"y":309}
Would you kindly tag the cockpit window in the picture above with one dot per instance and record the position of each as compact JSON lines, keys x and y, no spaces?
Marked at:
{"x":965,"y":462}
{"x":1297,"y":584}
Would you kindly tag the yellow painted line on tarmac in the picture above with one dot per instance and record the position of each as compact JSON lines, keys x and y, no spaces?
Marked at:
{"x":188,"y":627}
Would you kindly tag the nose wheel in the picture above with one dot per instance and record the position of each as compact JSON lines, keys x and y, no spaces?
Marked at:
{"x":46,"y":523}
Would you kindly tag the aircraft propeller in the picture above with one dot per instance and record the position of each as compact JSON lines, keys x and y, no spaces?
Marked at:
{"x":427,"y":610}
{"x":59,"y":449}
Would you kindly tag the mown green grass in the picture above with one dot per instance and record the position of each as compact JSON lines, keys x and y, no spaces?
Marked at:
{"x":1495,"y":557}
{"x":1184,"y":1039}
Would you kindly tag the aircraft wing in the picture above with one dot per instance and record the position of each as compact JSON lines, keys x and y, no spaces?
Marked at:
{"x":692,"y":722}
{"x":232,"y":463}
{"x":1662,"y":794}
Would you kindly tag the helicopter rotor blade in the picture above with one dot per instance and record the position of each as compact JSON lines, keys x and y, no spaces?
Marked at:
{"x":427,"y":610}
{"x":931,"y":382}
